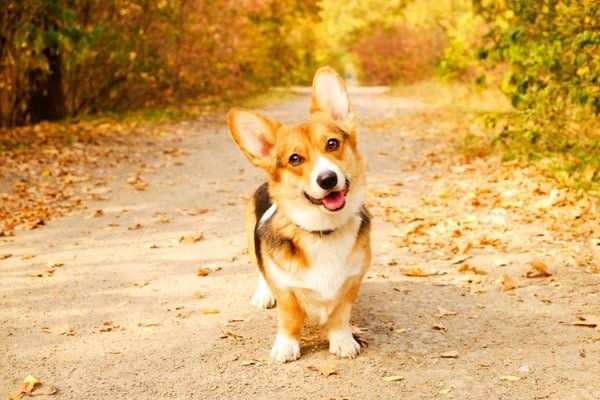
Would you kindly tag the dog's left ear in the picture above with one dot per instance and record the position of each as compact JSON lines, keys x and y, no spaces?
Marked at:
{"x":329,"y":95}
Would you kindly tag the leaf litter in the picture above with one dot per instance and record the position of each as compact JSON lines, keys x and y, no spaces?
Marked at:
{"x":325,"y":371}
{"x":30,"y":385}
{"x":539,"y":270}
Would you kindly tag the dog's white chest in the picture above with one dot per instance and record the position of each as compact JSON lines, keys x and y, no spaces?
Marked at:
{"x":330,"y":266}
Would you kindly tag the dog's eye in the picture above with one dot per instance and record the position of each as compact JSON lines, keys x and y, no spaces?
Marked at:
{"x":333,"y":144}
{"x":296,"y":160}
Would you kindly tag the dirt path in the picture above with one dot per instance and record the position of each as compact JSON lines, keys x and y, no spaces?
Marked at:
{"x":119,"y":311}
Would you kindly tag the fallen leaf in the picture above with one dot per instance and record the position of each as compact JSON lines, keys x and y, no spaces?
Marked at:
{"x":438,"y":327}
{"x":466,"y":268}
{"x":210,"y":311}
{"x":255,"y":362}
{"x":135,"y":227}
{"x":540,"y":270}
{"x":109,"y":326}
{"x":54,"y":264}
{"x":203,"y":271}
{"x":195,"y":211}
{"x":192,"y":238}
{"x":459,"y":259}
{"x":442,"y":312}
{"x":148,"y":324}
{"x":501,"y":262}
{"x":68,"y":332}
{"x":419,"y":272}
{"x":5,"y":256}
{"x":325,"y":371}
{"x":588,"y":320}
{"x":137,"y":182}
{"x":508,"y":283}
{"x":449,"y":354}
{"x":444,"y":391}
{"x":29,"y":384}
{"x":230,"y":334}
{"x":510,"y":378}
{"x":162,"y":218}
{"x":393,"y":378}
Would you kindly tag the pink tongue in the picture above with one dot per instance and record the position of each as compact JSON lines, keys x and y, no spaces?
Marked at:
{"x":334,"y":200}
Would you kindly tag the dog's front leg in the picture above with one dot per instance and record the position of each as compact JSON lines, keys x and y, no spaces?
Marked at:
{"x":291,"y":322}
{"x":341,"y":341}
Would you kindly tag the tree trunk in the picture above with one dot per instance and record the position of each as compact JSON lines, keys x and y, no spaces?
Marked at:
{"x":46,"y":99}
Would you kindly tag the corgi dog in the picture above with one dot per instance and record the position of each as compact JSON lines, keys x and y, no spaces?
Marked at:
{"x":307,"y":226}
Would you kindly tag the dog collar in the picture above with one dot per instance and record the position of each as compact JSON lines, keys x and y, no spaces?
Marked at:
{"x":320,"y":233}
{"x":271,"y":211}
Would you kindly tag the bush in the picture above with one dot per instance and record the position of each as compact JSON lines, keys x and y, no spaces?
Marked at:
{"x":401,"y":54}
{"x":64,"y":57}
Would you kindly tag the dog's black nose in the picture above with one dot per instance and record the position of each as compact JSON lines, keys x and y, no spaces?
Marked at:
{"x":327,"y":180}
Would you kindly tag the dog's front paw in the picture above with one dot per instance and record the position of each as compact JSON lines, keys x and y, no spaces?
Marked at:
{"x":263,"y":297}
{"x":341,"y":343}
{"x":285,"y":348}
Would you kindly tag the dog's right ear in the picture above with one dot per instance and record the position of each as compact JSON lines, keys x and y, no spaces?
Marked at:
{"x":254,"y":134}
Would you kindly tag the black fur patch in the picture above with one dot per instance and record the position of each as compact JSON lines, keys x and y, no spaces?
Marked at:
{"x":365,"y":218}
{"x":262,"y":202}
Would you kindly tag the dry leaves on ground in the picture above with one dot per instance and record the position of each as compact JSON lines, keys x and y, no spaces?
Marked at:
{"x":326,"y":371}
{"x":29,"y":385}
{"x":137,"y":182}
{"x":254,"y":362}
{"x":109,"y":326}
{"x":449,"y":354}
{"x":393,"y":378}
{"x":230,"y":334}
{"x":508,"y":283}
{"x":510,"y":378}
{"x":191,"y":239}
{"x":466,"y":268}
{"x":65,"y":330}
{"x":588,"y":320}
{"x":419,"y":272}
{"x":442,"y":312}
{"x":539,"y":270}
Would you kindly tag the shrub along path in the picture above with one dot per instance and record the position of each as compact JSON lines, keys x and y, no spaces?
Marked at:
{"x":484,"y":280}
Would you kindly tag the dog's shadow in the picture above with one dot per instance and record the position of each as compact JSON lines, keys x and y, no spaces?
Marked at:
{"x":403,"y":317}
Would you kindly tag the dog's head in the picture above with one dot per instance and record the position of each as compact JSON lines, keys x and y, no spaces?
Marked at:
{"x":316,"y":174}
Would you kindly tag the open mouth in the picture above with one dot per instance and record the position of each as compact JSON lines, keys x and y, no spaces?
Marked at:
{"x":333,"y":201}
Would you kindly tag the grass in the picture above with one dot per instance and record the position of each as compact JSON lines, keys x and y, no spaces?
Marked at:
{"x":565,"y":149}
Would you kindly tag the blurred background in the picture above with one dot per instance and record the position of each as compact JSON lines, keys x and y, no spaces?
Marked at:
{"x":62,"y":58}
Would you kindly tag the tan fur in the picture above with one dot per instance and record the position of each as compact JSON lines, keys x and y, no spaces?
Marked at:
{"x":294,"y":254}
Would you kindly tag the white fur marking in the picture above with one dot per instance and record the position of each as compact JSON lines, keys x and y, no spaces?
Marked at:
{"x":330,"y":269}
{"x":342,"y":343}
{"x":267,"y":215}
{"x":285,"y":348}
{"x":263,"y":298}
{"x":322,"y":165}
